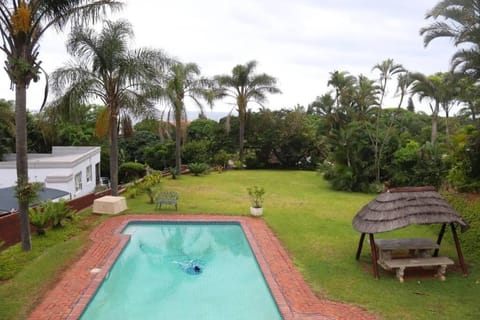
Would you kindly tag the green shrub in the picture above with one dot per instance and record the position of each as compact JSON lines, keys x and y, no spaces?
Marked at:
{"x":238,"y":165}
{"x":221,"y":158}
{"x":131,"y":171}
{"x":151,"y":185}
{"x":198,"y":168}
{"x":470,"y":212}
{"x":256,"y":195}
{"x":58,"y":211}
{"x":39,"y":219}
{"x":132,"y":191}
{"x":195,"y":151}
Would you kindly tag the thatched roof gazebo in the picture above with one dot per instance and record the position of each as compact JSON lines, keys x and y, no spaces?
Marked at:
{"x":400,"y":207}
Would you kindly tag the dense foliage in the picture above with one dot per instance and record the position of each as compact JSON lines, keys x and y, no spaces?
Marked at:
{"x":349,"y":133}
{"x":469,"y":211}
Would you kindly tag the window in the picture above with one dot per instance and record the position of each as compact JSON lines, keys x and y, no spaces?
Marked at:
{"x":78,"y":181}
{"x":89,"y":173}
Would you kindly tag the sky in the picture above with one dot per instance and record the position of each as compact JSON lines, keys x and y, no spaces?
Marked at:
{"x":299,"y":42}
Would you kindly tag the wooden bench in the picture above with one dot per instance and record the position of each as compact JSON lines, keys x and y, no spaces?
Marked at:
{"x":167,"y":197}
{"x":402,"y":263}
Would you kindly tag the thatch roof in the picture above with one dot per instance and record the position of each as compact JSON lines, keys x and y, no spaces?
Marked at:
{"x":401,"y":207}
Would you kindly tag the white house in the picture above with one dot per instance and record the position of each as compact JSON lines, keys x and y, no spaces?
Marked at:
{"x":75,"y":170}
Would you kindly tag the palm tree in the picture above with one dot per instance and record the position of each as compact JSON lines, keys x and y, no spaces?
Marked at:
{"x":429,"y":87}
{"x":341,"y":81}
{"x":457,"y":20}
{"x":183,"y":81}
{"x":450,"y":93}
{"x":7,"y":126}
{"x":365,"y":97}
{"x":387,"y":68}
{"x":470,"y":95}
{"x":244,"y":86}
{"x":22,"y":24}
{"x":106,"y":69}
{"x":403,"y":83}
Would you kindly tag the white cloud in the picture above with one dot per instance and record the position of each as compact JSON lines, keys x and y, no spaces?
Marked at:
{"x":299,"y":42}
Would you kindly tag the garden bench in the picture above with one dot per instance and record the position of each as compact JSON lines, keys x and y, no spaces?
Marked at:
{"x":167,"y":197}
{"x":402,"y":263}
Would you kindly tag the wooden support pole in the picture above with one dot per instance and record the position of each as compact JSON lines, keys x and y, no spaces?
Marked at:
{"x":459,"y":250}
{"x":360,"y":245}
{"x":374,"y":257}
{"x":439,"y":239}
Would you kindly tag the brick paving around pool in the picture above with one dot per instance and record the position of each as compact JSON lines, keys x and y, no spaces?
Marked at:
{"x":294,"y":298}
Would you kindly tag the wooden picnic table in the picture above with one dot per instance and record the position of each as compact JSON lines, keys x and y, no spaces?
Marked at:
{"x":421,"y":245}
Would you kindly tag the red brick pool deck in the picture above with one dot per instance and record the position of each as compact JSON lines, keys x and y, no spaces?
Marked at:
{"x":294,"y":298}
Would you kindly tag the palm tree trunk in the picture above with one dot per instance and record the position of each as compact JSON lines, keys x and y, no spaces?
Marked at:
{"x":178,"y":141}
{"x":114,"y":150}
{"x":241,"y":118}
{"x":22,"y":160}
{"x":435,"y":123}
{"x":447,"y":130}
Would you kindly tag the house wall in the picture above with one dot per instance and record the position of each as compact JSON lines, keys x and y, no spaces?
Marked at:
{"x":57,"y":170}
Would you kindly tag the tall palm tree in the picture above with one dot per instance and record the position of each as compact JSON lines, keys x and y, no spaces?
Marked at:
{"x":387,"y":68}
{"x":403,"y":83}
{"x":341,"y":81}
{"x":470,"y":95}
{"x":450,"y":90}
{"x":22,"y":25}
{"x":430,"y":88}
{"x":183,"y":81}
{"x":457,"y":20}
{"x":106,"y":69}
{"x":365,"y":97}
{"x":245,"y":86}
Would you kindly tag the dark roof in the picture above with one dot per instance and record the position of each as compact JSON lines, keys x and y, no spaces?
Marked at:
{"x":8,"y":201}
{"x":401,"y":207}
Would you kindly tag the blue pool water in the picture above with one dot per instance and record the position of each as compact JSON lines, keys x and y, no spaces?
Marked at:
{"x":184,"y":271}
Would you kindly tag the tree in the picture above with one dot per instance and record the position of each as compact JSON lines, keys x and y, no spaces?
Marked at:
{"x":404,"y":82}
{"x":341,"y":81}
{"x":245,"y":86}
{"x":387,"y":69}
{"x":429,"y":87}
{"x":457,"y":20}
{"x":7,"y":127}
{"x":470,"y":95}
{"x":410,"y":105}
{"x":183,"y":81}
{"x":22,"y":24}
{"x":106,"y":69}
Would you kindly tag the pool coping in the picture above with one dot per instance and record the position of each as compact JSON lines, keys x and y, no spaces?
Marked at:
{"x":294,"y":299}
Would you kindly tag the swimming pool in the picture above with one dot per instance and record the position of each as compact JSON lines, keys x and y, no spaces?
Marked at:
{"x":184,"y":270}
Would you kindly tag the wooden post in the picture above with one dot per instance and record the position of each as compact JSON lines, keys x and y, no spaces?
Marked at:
{"x":374,"y":257}
{"x":360,"y":245}
{"x":439,"y":239}
{"x":459,"y":250}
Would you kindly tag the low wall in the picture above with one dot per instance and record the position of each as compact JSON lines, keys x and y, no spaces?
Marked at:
{"x":10,"y":229}
{"x":10,"y":223}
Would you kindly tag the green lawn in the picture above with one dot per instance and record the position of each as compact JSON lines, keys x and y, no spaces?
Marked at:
{"x":314,"y":224}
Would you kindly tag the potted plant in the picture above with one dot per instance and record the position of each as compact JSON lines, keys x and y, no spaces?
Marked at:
{"x":256,"y":197}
